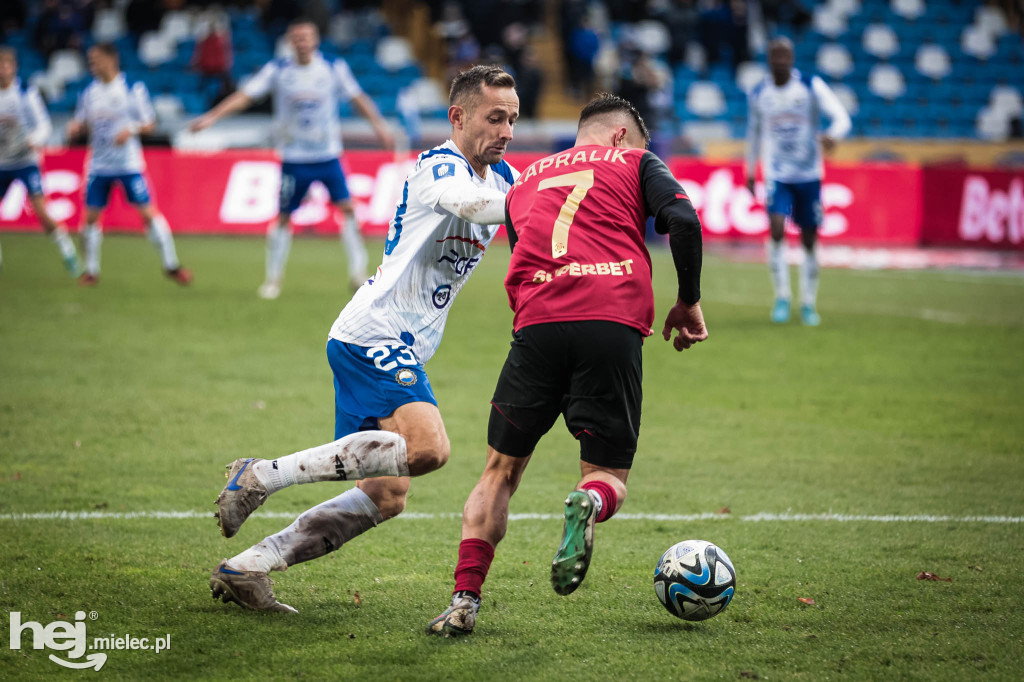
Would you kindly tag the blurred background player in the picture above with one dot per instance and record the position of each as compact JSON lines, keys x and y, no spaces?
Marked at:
{"x":24,"y":128}
{"x":307,"y":90}
{"x":580,"y":285}
{"x":782,"y":129}
{"x":115,"y":114}
{"x":387,"y":423}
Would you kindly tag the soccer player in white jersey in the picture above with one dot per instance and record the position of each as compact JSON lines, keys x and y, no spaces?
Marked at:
{"x":115,"y":113}
{"x":387,"y":423}
{"x":783,"y":130}
{"x":24,"y":127}
{"x":307,"y":91}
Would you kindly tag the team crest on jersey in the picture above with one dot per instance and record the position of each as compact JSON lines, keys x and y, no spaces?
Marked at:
{"x":442,"y":295}
{"x":405,"y":377}
{"x":444,"y":170}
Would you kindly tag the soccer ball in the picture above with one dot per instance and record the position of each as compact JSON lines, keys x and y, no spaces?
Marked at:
{"x":694,"y":580}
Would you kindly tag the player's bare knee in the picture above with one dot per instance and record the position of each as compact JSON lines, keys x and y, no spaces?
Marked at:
{"x":429,"y":455}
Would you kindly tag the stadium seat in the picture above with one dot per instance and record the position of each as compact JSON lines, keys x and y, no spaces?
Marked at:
{"x":977,"y":42}
{"x":176,"y":26}
{"x":705,"y":99}
{"x":992,"y":125}
{"x":848,"y":97}
{"x":108,"y":25}
{"x":886,"y":81}
{"x":992,"y":20}
{"x":933,"y":61}
{"x":652,"y":37}
{"x":908,"y":9}
{"x":828,"y":22}
{"x":156,"y":49}
{"x":749,"y":74}
{"x":845,"y":8}
{"x":880,"y":41}
{"x":168,"y":107}
{"x":394,"y":53}
{"x":1007,"y":100}
{"x":66,"y":65}
{"x":834,"y":60}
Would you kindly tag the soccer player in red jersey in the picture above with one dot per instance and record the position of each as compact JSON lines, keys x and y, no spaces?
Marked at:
{"x":580,"y":285}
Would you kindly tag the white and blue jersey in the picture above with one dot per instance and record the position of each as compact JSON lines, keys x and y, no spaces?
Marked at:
{"x":24,"y":126}
{"x":783,"y":124}
{"x":305,"y":101}
{"x":107,"y":109}
{"x":394,"y":323}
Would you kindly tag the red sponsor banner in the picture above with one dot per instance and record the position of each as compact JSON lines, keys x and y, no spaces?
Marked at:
{"x":974,"y":208}
{"x":236,"y":192}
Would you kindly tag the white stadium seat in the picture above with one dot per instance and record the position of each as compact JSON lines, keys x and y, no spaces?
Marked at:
{"x":176,"y":27}
{"x":834,"y":60}
{"x":991,"y":19}
{"x":168,"y":107}
{"x":652,"y":37}
{"x":977,"y":42}
{"x":108,"y":25}
{"x":908,"y":9}
{"x":848,"y":97}
{"x":880,"y":41}
{"x":705,"y":99}
{"x":428,"y":94}
{"x":1007,"y":99}
{"x":66,"y":66}
{"x":886,"y":81}
{"x":933,"y":61}
{"x":845,"y":8}
{"x":992,"y":125}
{"x":829,"y":22}
{"x":394,"y":53}
{"x":156,"y":49}
{"x":749,"y":74}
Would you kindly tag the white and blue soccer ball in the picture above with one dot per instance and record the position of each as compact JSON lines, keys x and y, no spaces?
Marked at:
{"x":694,"y":580}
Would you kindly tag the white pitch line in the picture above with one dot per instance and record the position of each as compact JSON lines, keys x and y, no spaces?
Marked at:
{"x":421,"y":516}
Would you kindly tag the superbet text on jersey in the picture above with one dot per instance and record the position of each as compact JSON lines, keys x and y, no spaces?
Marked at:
{"x":579,"y":220}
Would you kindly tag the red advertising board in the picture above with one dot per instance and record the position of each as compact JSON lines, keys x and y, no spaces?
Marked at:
{"x":974,"y":208}
{"x":235,"y":192}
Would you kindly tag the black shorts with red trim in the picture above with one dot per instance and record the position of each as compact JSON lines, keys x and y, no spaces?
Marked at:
{"x":588,"y":371}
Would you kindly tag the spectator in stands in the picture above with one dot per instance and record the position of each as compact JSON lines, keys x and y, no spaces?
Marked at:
{"x":724,"y":24}
{"x":12,"y":17}
{"x":529,"y":82}
{"x":142,"y":16}
{"x":213,"y":57}
{"x":788,"y":12}
{"x":62,"y":25}
{"x":681,"y":18}
{"x":276,"y":15}
{"x":584,"y":44}
{"x":647,"y":85}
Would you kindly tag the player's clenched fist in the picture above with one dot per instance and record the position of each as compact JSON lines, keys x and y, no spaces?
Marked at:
{"x":688,"y":320}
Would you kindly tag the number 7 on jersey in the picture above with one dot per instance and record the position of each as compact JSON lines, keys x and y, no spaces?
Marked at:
{"x":580,"y":181}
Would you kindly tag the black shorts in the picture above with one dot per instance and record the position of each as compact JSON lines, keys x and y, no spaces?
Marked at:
{"x":590,"y":371}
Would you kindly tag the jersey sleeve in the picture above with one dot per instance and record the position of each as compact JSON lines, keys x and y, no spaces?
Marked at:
{"x":142,"y":108}
{"x":674,"y":214}
{"x":828,"y":102}
{"x":259,"y":85}
{"x":438,"y":174}
{"x":348,"y":86}
{"x":39,"y":118}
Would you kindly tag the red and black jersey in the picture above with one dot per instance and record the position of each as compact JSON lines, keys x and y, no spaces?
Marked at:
{"x":577,"y":221}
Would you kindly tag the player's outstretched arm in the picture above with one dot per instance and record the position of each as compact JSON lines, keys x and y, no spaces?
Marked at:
{"x":688,"y":320}
{"x":480,"y":205}
{"x":233,"y":103}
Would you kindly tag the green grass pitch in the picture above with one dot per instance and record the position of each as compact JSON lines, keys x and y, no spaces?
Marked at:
{"x":906,"y":402}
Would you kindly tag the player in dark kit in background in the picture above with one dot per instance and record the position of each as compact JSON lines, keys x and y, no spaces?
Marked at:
{"x":580,"y":285}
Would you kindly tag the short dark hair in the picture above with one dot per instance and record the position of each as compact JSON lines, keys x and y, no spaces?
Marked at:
{"x":108,"y":49}
{"x":606,"y":103}
{"x":302,"y":21}
{"x":468,"y":85}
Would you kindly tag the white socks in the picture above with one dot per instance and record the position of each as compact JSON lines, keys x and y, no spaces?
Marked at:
{"x":92,"y":238}
{"x":64,"y":244}
{"x":159,"y":233}
{"x":279,"y":243}
{"x":318,"y":531}
{"x":366,"y":454}
{"x":354,"y":247}
{"x":776,"y":251}
{"x":809,"y":278}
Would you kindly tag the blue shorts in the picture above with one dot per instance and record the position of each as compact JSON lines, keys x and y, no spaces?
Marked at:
{"x":29,"y":175}
{"x":370,"y":383}
{"x":97,"y":190}
{"x":801,"y":200}
{"x":297,"y":177}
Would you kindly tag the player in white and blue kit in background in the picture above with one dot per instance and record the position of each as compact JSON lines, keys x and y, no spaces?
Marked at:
{"x":783,"y":130}
{"x":387,"y":423}
{"x":24,"y":128}
{"x":307,"y":90}
{"x":115,"y":113}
